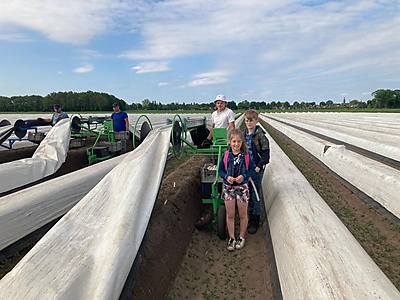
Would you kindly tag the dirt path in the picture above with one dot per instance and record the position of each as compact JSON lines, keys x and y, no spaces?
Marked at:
{"x":209,"y":271}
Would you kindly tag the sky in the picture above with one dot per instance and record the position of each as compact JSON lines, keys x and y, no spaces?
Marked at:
{"x":191,"y":50}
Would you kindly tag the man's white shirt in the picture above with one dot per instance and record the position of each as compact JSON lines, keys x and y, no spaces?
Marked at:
{"x":223,"y":118}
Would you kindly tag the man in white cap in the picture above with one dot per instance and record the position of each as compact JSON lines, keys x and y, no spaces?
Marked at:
{"x":223,"y":117}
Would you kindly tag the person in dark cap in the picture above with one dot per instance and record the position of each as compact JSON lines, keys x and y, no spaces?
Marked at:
{"x":57,"y":116}
{"x":120,"y":119}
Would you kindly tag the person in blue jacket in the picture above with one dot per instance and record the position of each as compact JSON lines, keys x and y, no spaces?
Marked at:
{"x":235,"y":168}
{"x":258,"y":146}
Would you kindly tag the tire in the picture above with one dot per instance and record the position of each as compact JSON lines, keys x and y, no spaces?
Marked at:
{"x":204,"y":222}
{"x":222,"y":230}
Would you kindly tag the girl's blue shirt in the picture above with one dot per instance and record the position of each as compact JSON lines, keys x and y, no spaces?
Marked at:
{"x":230,"y":170}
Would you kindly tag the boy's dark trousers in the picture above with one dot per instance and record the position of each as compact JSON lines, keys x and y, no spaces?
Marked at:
{"x":255,"y":203}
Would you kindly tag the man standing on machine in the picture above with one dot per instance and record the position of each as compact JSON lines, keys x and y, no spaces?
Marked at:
{"x":120,"y":119}
{"x":57,"y":116}
{"x":223,"y":117}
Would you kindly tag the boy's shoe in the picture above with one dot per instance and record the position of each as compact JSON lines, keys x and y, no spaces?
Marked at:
{"x":240,"y":243}
{"x":254,"y":225}
{"x":231,"y":244}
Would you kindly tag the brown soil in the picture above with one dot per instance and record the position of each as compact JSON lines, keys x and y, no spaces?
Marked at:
{"x":15,"y":154}
{"x":180,"y":262}
{"x":209,"y":271}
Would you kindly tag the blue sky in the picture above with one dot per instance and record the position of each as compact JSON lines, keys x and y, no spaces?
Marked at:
{"x":192,"y":50}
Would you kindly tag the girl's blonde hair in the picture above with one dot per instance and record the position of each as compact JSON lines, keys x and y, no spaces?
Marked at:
{"x":238,"y":132}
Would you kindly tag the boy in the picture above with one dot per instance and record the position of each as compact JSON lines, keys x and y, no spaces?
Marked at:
{"x":258,"y":146}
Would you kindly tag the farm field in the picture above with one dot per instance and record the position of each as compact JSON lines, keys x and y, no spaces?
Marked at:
{"x":208,"y":271}
{"x":378,"y":235}
{"x":359,"y":216}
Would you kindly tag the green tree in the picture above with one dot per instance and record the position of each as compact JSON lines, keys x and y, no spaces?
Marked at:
{"x":146,"y":103}
{"x":286,"y":105}
{"x":245,"y":105}
{"x":329,"y":103}
{"x":254,"y":105}
{"x":263,"y":105}
{"x":232,"y":105}
{"x":384,"y":98}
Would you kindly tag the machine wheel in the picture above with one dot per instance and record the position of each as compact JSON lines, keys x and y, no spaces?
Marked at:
{"x":20,"y":128}
{"x":76,"y":125}
{"x":222,"y":230}
{"x":176,"y":136}
{"x":144,"y":130}
{"x":204,"y":222}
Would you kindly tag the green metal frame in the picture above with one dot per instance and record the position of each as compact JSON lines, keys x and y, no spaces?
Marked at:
{"x":215,"y":199}
{"x":105,"y":131}
{"x":218,"y":147}
{"x":93,"y":129}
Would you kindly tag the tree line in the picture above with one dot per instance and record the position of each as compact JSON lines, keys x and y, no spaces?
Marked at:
{"x":96,"y":101}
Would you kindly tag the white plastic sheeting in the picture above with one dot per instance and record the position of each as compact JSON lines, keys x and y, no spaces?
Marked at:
{"x":47,"y":159}
{"x":239,"y":120}
{"x":377,"y":133}
{"x":5,"y":129}
{"x":316,"y":256}
{"x":25,"y":211}
{"x":375,"y":179}
{"x":89,"y":252}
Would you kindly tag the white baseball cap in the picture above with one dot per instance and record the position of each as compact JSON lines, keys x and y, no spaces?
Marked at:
{"x":220,"y":98}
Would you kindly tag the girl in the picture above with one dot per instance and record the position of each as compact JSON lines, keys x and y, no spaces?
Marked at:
{"x":236,"y":168}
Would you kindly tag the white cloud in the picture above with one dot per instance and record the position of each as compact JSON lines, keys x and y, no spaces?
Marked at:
{"x":212,"y":78}
{"x":84,"y":69}
{"x":271,"y":49}
{"x":289,"y":37}
{"x":72,"y":21}
{"x":151,"y":67}
{"x":163,"y":84}
{"x":86,"y":54}
{"x":14,"y":37}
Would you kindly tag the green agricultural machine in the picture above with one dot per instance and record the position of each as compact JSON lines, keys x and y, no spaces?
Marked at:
{"x":210,"y":180}
{"x":107,"y":143}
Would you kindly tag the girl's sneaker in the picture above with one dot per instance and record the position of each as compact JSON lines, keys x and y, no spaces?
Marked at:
{"x":240,"y":243}
{"x":231,"y":244}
